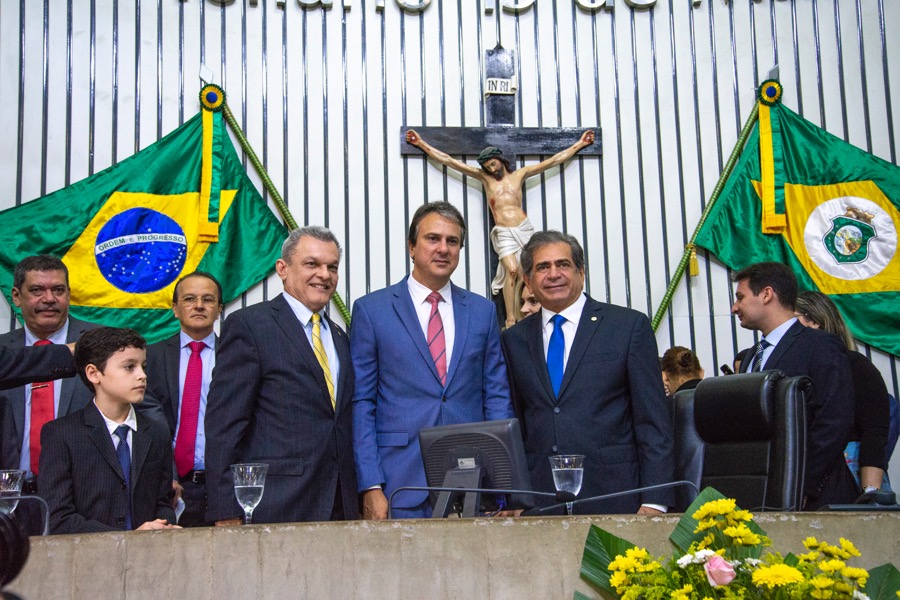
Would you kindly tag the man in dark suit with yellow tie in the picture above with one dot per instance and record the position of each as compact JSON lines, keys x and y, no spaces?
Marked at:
{"x":280,"y":395}
{"x":179,"y":371}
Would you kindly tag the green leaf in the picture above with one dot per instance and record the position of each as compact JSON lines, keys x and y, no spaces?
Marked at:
{"x":580,"y":596}
{"x":883,"y":583}
{"x":683,"y":535}
{"x":600,"y":549}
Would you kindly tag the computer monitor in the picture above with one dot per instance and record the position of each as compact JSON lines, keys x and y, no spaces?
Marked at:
{"x":486,"y":454}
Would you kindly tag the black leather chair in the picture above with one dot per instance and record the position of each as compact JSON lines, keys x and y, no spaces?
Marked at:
{"x":744,"y":435}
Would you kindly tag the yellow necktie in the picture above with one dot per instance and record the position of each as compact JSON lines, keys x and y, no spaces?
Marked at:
{"x":320,"y":353}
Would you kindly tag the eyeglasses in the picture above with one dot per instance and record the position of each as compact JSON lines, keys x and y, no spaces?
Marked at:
{"x":204,"y":300}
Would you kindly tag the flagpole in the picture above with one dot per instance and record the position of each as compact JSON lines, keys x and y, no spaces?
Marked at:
{"x":690,"y":249}
{"x":273,"y":191}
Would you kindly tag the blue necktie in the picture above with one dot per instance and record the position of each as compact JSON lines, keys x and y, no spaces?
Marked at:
{"x":756,"y":365}
{"x":555,"y":353}
{"x":124,"y":454}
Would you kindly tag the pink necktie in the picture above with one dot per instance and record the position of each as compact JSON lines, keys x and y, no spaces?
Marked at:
{"x":436,"y":343}
{"x":190,"y":409}
{"x":42,"y":398}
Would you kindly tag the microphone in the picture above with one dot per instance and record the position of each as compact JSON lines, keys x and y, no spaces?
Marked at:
{"x":532,"y":512}
{"x":557,"y":496}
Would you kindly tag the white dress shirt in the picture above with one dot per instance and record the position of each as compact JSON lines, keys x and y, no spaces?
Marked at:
{"x":419,"y":294}
{"x":304,"y":315}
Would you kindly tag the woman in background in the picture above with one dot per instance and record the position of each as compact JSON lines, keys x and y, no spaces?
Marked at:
{"x":528,"y":304}
{"x":871,"y":404}
{"x":681,"y":370}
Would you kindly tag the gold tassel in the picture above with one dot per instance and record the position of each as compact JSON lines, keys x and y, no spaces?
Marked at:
{"x":695,"y":266}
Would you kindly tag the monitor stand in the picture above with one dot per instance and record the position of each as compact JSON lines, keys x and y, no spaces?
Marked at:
{"x":459,"y":478}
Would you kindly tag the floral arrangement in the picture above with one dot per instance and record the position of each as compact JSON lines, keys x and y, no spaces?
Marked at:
{"x":719,"y":556}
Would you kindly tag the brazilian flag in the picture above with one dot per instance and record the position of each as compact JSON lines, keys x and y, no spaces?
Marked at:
{"x":128,"y":233}
{"x":829,"y":210}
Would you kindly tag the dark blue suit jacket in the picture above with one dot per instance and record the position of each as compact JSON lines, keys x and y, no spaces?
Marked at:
{"x":82,"y":480}
{"x":612,"y":407}
{"x":823,"y":358}
{"x":398,"y":391}
{"x":268,"y":402}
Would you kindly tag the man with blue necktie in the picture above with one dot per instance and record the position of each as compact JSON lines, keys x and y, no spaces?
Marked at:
{"x":426,"y":353}
{"x":585,"y":379}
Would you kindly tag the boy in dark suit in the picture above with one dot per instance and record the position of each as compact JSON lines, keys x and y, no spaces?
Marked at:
{"x":104,"y":468}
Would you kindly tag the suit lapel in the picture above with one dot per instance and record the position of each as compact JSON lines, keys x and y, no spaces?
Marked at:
{"x":171,"y":364}
{"x":342,"y":347}
{"x":461,"y":330}
{"x":591,"y":317}
{"x":17,"y":395}
{"x":535,"y":336}
{"x":140,"y":448}
{"x":100,"y":437}
{"x":789,"y":337}
{"x":296,"y":334}
{"x":409,"y":319}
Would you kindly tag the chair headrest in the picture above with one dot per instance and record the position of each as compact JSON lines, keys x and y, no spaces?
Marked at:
{"x":736,"y":408}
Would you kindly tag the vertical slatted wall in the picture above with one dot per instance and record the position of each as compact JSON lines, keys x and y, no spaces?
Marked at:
{"x":323,"y":93}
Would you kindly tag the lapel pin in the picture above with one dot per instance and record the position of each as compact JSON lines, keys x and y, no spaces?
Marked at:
{"x":593,"y":318}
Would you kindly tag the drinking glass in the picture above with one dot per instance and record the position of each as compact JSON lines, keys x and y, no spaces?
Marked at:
{"x":249,"y":482}
{"x":10,"y":485}
{"x":568,"y":472}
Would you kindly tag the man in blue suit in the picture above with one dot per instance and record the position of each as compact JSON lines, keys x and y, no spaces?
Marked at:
{"x":425,"y":353}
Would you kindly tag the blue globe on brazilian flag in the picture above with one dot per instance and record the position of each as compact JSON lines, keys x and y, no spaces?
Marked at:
{"x":831,"y":211}
{"x":129,"y":232}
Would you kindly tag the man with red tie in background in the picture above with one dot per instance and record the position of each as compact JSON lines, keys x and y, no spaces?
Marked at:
{"x":179,"y":371}
{"x":41,"y":291}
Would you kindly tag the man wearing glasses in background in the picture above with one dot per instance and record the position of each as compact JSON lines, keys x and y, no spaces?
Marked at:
{"x":179,"y":371}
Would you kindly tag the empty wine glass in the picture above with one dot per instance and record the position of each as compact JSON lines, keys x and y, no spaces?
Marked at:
{"x":10,"y":485}
{"x":249,"y":483}
{"x":568,"y":472}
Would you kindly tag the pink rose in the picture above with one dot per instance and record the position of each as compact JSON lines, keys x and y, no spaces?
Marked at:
{"x":718,"y":571}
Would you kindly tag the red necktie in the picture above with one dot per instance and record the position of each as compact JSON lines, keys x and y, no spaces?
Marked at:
{"x":436,"y":343}
{"x":42,"y":399}
{"x":190,"y":410}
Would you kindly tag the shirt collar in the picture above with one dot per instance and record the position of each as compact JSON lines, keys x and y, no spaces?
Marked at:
{"x":776,"y":334}
{"x":571,"y":313}
{"x":301,"y":311}
{"x":130,"y":420}
{"x":209,"y":340}
{"x":419,"y":292}
{"x":57,"y":338}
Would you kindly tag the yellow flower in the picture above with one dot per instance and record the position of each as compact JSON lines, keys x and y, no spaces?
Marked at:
{"x":821,"y":594}
{"x":741,"y":535}
{"x":741,"y":515}
{"x":637,"y":553}
{"x":848,"y":547}
{"x":808,"y":557}
{"x":705,"y":542}
{"x":830,"y":566}
{"x":622,"y":563}
{"x":705,"y":524}
{"x":777,"y":575}
{"x":715,"y":508}
{"x":618,"y":580}
{"x":856,"y":574}
{"x":821,"y":582}
{"x":811,"y":543}
{"x":682,"y":594}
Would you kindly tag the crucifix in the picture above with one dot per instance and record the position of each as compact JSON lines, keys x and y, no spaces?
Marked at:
{"x":502,"y":183}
